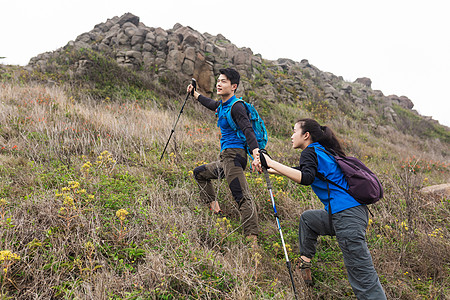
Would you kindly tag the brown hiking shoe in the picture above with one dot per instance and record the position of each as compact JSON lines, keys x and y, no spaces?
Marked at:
{"x":304,"y":268}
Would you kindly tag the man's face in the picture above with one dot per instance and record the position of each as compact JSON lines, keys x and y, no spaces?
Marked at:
{"x":224,"y":86}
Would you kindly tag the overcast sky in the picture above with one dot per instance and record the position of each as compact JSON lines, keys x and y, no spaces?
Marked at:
{"x":403,"y":46}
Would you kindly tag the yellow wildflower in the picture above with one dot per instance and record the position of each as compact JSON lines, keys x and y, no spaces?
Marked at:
{"x":8,"y":255}
{"x":68,"y":201}
{"x":288,"y":248}
{"x":276,"y":246}
{"x":3,"y":201}
{"x":86,"y":166}
{"x":89,"y":246}
{"x":122,"y":214}
{"x":74,"y":185}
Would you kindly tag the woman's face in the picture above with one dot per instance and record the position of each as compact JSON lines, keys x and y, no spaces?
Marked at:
{"x":299,"y":139}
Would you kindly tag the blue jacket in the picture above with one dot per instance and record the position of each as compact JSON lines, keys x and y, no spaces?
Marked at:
{"x":229,"y":137}
{"x":313,"y":161}
{"x":239,"y":114}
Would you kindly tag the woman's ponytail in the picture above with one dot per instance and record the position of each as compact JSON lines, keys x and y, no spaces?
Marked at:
{"x":321,"y":134}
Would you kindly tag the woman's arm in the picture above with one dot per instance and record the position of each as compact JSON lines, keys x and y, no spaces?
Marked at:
{"x":281,"y":169}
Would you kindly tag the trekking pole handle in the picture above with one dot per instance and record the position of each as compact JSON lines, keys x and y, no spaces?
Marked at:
{"x":194,"y":84}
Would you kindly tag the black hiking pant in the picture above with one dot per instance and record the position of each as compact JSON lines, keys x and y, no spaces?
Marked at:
{"x":231,"y":166}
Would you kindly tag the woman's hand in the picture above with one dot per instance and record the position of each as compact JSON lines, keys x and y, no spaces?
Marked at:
{"x":266,"y":161}
{"x":274,"y":167}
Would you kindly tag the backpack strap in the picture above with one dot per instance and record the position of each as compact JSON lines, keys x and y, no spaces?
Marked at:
{"x":322,"y":177}
{"x":330,"y":215}
{"x":233,"y":124}
{"x":228,"y":114}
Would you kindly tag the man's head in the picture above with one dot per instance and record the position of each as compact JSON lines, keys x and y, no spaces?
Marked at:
{"x":227,"y":82}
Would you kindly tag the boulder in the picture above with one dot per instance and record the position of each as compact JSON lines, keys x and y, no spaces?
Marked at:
{"x":364,"y":81}
{"x":406,"y":102}
{"x":304,"y":63}
{"x":389,"y":114}
{"x":128,"y":17}
{"x":175,"y":59}
{"x":441,"y":189}
{"x":402,"y":101}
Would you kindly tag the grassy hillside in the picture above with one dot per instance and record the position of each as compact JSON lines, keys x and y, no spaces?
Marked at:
{"x":88,"y":211}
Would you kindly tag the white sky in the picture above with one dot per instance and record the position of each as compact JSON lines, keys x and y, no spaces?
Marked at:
{"x":403,"y":46}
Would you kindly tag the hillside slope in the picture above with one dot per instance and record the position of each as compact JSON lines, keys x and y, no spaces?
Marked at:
{"x":88,"y":211}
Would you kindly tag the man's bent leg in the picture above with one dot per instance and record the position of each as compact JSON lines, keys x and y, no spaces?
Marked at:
{"x":234,"y":162}
{"x":203,"y":175}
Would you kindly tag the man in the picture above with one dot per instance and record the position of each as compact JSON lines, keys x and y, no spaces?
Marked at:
{"x":233,"y":155}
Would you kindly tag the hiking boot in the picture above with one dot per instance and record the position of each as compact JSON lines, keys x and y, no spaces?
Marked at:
{"x":219,"y":214}
{"x":305,"y":272}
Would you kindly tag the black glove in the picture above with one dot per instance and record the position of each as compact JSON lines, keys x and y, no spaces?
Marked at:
{"x":262,"y":158}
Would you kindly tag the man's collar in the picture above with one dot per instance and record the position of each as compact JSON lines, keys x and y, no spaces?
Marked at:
{"x":231,"y":98}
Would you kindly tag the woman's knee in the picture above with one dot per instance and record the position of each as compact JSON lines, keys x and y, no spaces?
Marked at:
{"x":308,"y":216}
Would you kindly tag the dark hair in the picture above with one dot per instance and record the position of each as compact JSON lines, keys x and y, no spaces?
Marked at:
{"x":232,"y":75}
{"x":321,"y":134}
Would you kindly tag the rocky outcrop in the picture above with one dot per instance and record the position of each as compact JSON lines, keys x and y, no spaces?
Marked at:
{"x":403,"y":101}
{"x":364,"y":81}
{"x":180,"y":49}
{"x":186,"y":53}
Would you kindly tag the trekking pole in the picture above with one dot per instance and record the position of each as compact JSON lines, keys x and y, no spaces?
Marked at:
{"x":194,"y":84}
{"x":269,"y":187}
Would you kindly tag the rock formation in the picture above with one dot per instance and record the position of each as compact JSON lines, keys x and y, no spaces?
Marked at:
{"x":187,"y":53}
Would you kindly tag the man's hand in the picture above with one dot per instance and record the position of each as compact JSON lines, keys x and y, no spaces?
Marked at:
{"x":189,"y":90}
{"x":256,"y":163}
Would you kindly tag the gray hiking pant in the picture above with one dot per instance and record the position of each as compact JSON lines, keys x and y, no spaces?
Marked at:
{"x":231,"y":166}
{"x":349,"y":227}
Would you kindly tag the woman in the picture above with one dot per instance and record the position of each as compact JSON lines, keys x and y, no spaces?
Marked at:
{"x":348,"y":217}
